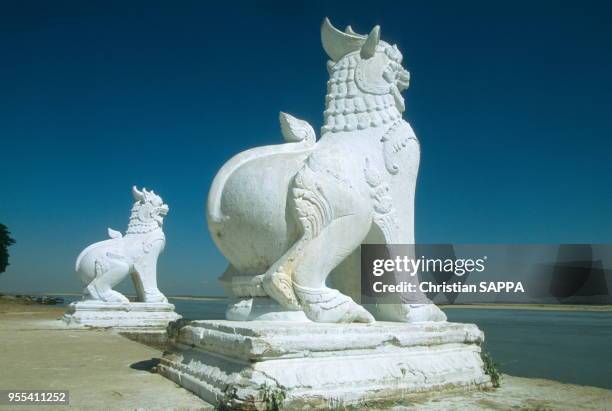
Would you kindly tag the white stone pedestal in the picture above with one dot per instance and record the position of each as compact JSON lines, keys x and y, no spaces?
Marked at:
{"x":251,"y":364}
{"x":121,"y":316}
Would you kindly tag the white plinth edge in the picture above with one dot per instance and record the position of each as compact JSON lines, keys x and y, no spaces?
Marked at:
{"x":249,"y":364}
{"x":121,"y":316}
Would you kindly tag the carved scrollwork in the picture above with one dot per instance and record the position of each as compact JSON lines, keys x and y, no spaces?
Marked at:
{"x":384,"y":211}
{"x":394,"y":141}
{"x":314,"y":211}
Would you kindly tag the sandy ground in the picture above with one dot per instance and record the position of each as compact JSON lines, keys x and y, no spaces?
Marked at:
{"x":105,"y":371}
{"x":102,"y":370}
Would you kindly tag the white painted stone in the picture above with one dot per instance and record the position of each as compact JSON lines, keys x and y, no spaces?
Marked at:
{"x":105,"y":264}
{"x":319,"y":364}
{"x":290,"y":217}
{"x":136,"y":316}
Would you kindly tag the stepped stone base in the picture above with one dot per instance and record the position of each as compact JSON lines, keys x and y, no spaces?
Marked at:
{"x":253,"y":364}
{"x":121,"y":316}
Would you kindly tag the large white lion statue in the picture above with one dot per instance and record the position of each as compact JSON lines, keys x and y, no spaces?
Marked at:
{"x":104,"y":264}
{"x":288,"y":216}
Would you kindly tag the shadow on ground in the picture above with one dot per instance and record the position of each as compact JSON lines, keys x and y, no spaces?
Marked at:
{"x":146,"y":365}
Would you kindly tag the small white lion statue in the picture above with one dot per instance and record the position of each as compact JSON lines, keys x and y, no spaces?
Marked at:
{"x":104,"y":264}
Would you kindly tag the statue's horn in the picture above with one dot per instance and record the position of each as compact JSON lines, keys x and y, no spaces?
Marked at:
{"x":369,"y":47}
{"x":338,"y":44}
{"x":136,"y":194}
{"x":349,"y":30}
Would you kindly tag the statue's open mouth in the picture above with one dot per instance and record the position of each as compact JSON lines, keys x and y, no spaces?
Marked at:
{"x":402,"y":82}
{"x":160,"y":213}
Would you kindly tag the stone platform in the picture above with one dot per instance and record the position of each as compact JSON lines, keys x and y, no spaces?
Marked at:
{"x":133,"y":316}
{"x":251,"y":365}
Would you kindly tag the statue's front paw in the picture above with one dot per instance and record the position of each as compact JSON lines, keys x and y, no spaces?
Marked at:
{"x":358,"y":314}
{"x":411,"y":313}
{"x":157,"y":297}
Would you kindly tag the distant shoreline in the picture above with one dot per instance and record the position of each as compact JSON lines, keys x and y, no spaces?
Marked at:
{"x":174,"y":297}
{"x":533,"y":307}
{"x":483,"y":306}
{"x":203,"y":298}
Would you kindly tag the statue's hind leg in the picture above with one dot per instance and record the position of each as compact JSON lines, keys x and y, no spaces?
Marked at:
{"x":321,"y":255}
{"x":101,"y":288}
{"x":335,"y":219}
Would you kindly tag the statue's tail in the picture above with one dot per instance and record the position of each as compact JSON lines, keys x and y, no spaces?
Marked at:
{"x":299,"y":137}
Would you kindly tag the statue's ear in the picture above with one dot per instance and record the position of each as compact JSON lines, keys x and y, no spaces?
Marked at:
{"x":349,"y":30}
{"x":369,"y":47}
{"x":338,"y":44}
{"x":137,"y":194}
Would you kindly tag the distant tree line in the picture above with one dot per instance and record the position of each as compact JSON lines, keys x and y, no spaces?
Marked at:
{"x":5,"y":242}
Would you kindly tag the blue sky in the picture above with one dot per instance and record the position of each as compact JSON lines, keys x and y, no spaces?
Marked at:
{"x":511,"y":102}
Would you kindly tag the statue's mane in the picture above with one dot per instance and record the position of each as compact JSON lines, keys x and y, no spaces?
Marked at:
{"x":136,"y":225}
{"x":347,"y":107}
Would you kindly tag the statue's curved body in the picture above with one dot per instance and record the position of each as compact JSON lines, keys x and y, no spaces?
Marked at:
{"x":288,"y":216}
{"x":104,"y":264}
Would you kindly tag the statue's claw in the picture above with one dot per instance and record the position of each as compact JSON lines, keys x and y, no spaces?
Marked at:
{"x":360,"y":314}
{"x":278,"y":285}
{"x":411,"y":313}
{"x":326,"y":305}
